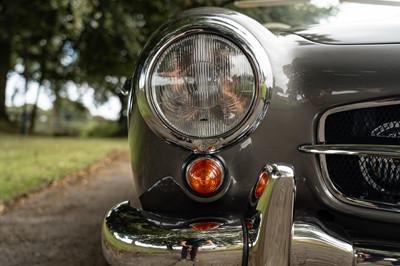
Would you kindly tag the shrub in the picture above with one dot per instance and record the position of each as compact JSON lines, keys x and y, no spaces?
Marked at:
{"x":101,"y":130}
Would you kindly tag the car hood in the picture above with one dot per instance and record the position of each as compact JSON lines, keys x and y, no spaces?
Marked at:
{"x":374,"y":32}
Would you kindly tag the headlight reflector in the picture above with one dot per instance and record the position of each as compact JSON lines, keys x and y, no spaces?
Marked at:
{"x":202,"y":85}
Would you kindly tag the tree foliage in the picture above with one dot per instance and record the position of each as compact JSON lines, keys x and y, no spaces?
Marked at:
{"x":93,"y":43}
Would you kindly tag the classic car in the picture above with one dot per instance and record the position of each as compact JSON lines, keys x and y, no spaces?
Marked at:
{"x":268,"y":148}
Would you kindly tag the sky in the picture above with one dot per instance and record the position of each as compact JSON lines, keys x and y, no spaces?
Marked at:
{"x":351,"y":11}
{"x":109,"y":110}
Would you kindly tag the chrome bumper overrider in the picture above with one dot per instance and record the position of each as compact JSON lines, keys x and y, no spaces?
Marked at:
{"x":135,"y":237}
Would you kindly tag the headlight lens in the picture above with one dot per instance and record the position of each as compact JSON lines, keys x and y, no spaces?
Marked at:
{"x":204,"y":79}
{"x":202,"y":85}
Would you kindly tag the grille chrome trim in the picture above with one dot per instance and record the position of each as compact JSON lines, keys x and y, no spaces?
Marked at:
{"x":330,"y":188}
{"x":353,"y":149}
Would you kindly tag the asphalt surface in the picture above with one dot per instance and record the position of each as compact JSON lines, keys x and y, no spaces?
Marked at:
{"x":61,"y":225}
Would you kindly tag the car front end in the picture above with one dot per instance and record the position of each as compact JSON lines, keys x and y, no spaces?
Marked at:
{"x":277,"y":148}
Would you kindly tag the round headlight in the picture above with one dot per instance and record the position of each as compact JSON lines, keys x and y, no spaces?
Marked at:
{"x":203,"y":81}
{"x":202,"y":85}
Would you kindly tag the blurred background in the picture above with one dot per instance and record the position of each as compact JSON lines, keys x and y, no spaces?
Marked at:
{"x":63,"y":62}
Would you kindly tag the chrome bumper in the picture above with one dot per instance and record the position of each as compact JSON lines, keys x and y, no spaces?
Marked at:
{"x":134,"y":237}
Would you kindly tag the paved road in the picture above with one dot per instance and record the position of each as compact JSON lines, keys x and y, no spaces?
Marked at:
{"x":61,"y":225}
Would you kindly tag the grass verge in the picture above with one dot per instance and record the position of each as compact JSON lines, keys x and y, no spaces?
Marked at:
{"x":31,"y":163}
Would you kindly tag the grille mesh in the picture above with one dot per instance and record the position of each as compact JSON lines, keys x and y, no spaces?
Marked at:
{"x":357,"y":177}
{"x":376,"y":125}
{"x":368,"y":178}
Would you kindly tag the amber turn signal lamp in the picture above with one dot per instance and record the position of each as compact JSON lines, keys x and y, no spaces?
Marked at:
{"x":249,"y":224}
{"x":204,"y":226}
{"x":205,"y":175}
{"x":261,"y":184}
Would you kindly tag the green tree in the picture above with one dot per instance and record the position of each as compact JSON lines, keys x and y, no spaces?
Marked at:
{"x":37,"y":35}
{"x":95,"y":43}
{"x":115,"y":33}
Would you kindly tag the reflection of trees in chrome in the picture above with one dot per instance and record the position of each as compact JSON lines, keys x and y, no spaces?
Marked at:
{"x":306,"y":82}
{"x":221,"y":238}
{"x":129,"y":223}
{"x":291,"y":15}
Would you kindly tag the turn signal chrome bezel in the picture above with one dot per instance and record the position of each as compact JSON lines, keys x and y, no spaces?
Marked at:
{"x":205,"y":178}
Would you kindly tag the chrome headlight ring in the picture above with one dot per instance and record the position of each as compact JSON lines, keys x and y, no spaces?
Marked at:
{"x":225,"y":28}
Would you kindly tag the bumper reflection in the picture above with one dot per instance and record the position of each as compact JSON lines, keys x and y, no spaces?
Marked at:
{"x":134,"y":237}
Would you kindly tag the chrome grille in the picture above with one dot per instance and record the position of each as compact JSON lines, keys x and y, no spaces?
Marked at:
{"x":373,"y":125}
{"x":364,"y":177}
{"x":369,"y":178}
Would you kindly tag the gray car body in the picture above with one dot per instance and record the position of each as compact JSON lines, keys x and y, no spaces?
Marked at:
{"x":314,"y":69}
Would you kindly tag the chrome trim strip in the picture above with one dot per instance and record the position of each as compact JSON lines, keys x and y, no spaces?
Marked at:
{"x":373,"y":256}
{"x":266,"y":3}
{"x":353,"y":149}
{"x":330,"y":187}
{"x":272,"y":245}
{"x":312,"y":245}
{"x":315,"y":245}
{"x":227,"y":24}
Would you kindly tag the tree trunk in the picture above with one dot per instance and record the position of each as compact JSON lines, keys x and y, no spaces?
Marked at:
{"x":57,"y":130}
{"x":34,"y":107}
{"x":5,"y":50}
{"x":122,"y":120}
{"x":24,"y":116}
{"x":32,"y":117}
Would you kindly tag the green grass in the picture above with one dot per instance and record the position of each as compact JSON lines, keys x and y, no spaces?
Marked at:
{"x":30,"y":163}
